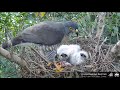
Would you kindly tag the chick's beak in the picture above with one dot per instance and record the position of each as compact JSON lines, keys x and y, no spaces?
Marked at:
{"x":56,"y":57}
{"x":76,"y":32}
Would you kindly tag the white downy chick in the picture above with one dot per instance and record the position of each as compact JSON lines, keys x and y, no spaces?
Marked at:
{"x":64,"y":51}
{"x":78,"y":57}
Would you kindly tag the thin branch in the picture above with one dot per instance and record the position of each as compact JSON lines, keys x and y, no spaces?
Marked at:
{"x":116,"y":48}
{"x":40,"y":54}
{"x":117,"y":69}
{"x":100,"y":28}
{"x":101,"y":24}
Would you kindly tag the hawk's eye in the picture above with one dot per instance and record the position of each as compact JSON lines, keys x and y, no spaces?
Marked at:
{"x":70,"y":28}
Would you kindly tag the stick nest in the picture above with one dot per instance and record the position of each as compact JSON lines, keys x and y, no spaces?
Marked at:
{"x":100,"y":60}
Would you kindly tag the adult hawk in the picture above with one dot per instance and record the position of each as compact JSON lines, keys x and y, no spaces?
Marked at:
{"x":45,"y":33}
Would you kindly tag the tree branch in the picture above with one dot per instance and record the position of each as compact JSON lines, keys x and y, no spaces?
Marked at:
{"x":101,"y":24}
{"x":14,"y":58}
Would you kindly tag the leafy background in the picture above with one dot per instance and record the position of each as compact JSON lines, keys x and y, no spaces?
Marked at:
{"x":12,"y":23}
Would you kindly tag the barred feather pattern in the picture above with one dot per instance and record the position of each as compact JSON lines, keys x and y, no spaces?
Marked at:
{"x":50,"y":51}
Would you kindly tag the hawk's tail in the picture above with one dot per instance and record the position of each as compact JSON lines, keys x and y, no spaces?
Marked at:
{"x":13,"y":42}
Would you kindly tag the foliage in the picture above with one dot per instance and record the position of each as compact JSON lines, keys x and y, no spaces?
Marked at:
{"x":13,"y":22}
{"x":112,"y":27}
{"x":8,"y":69}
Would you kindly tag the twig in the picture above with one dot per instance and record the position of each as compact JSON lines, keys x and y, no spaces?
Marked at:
{"x":39,"y":65}
{"x":107,"y":54}
{"x":115,"y":68}
{"x":116,"y":48}
{"x":39,"y":55}
{"x":100,"y":47}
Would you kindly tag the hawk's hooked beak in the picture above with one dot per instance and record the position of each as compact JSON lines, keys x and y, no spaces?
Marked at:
{"x":76,"y":32}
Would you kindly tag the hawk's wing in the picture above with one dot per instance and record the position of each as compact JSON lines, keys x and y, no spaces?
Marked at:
{"x":44,"y":33}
